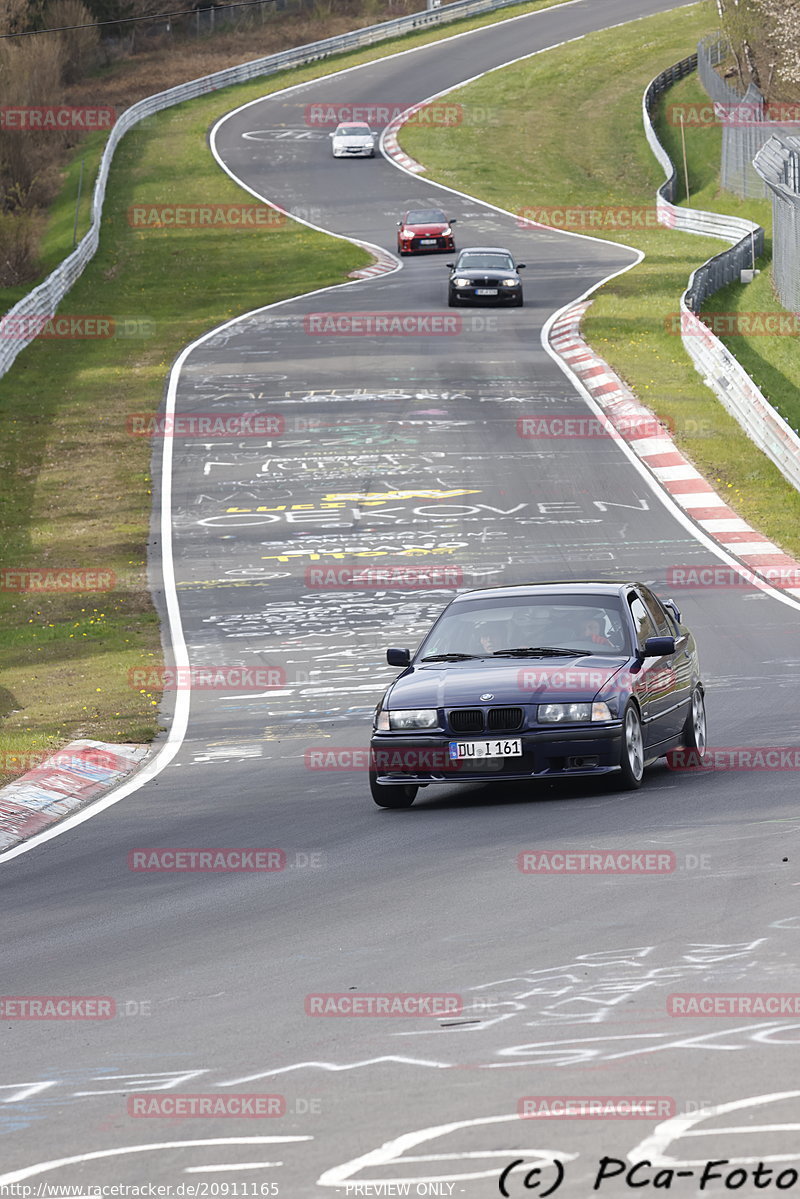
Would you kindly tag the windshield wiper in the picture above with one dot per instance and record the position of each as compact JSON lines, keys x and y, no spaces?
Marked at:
{"x":447,"y":657}
{"x":539,"y":651}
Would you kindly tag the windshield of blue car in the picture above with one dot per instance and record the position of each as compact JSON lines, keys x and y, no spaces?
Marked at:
{"x":486,"y":262}
{"x":527,"y":625}
{"x":431,"y":216}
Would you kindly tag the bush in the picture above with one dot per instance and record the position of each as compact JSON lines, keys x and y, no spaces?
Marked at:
{"x":17,"y":248}
{"x":80,"y":48}
{"x":30,"y":74}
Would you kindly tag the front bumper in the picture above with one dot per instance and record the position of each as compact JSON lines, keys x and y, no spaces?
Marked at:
{"x":353,"y":151}
{"x":505,"y":295}
{"x":546,"y":753}
{"x":414,"y":245}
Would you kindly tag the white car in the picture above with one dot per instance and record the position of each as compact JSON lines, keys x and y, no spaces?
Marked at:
{"x":354,"y":139}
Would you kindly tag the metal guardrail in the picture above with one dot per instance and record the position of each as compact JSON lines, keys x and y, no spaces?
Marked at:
{"x":778,"y":164}
{"x":44,"y":300}
{"x":726,"y":377}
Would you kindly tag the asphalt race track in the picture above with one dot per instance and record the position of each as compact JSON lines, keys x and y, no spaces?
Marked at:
{"x":386,"y":444}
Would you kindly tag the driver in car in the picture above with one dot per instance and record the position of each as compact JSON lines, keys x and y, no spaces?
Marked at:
{"x":490,"y":636}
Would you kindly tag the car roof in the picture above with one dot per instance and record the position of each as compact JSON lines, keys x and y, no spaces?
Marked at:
{"x":357,"y":124}
{"x":588,"y":587}
{"x":486,"y":250}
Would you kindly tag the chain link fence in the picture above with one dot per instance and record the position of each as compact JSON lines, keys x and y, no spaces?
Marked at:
{"x":747,"y":121}
{"x":778,"y":164}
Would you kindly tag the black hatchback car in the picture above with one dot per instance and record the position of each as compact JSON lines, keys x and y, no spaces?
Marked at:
{"x":539,"y":681}
{"x":485,"y":275}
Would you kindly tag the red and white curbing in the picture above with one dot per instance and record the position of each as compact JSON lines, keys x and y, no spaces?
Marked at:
{"x":62,"y":783}
{"x":390,"y":145}
{"x":658,"y":452}
{"x":384,"y":263}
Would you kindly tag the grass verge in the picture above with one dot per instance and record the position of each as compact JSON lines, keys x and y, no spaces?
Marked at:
{"x":74,"y":487}
{"x":567,"y":133}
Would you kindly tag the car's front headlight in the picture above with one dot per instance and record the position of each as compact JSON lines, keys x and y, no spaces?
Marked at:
{"x":414,"y":718}
{"x":509,"y":283}
{"x":461,"y":283}
{"x":572,"y":713}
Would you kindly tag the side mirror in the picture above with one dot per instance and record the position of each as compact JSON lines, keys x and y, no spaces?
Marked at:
{"x":451,"y":266}
{"x":399,"y":224}
{"x":332,"y":134}
{"x":452,"y":222}
{"x":673,"y":608}
{"x":658,"y":647}
{"x":398,"y":657}
{"x":520,"y":266}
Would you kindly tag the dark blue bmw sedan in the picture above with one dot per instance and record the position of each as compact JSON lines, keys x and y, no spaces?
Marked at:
{"x":539,"y":681}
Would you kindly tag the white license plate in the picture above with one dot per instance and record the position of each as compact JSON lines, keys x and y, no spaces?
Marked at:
{"x":485,"y":291}
{"x":463,"y":751}
{"x":427,"y":241}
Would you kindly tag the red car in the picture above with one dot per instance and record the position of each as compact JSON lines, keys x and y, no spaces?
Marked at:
{"x":424,"y":229}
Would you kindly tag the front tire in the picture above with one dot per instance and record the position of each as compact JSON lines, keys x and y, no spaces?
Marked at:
{"x":632,"y":755}
{"x":694,"y":734}
{"x":391,"y":795}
